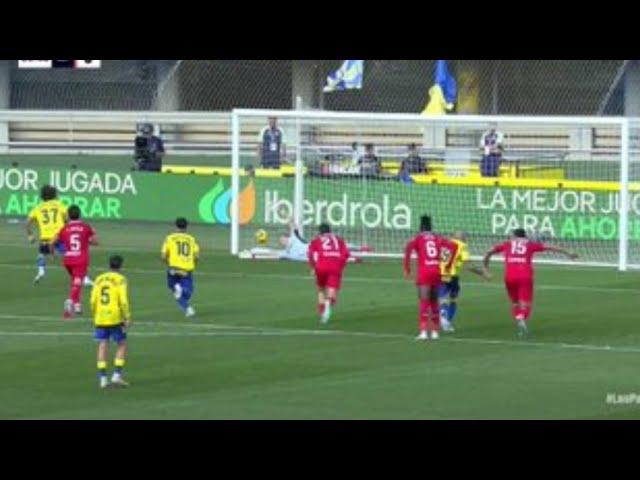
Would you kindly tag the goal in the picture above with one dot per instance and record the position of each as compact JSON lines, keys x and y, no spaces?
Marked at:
{"x":574,"y":181}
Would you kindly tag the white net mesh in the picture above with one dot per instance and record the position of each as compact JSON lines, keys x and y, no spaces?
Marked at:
{"x":558,"y":179}
{"x":633,"y":248}
{"x":522,"y":87}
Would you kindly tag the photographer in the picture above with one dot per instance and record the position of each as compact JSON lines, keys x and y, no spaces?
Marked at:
{"x":148,"y":150}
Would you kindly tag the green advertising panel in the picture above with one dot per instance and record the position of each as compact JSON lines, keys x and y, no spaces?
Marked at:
{"x":354,"y":204}
{"x":114,"y":195}
{"x":345,"y":203}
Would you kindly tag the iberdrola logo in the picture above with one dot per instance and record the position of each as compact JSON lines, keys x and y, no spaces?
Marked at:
{"x":215,"y":205}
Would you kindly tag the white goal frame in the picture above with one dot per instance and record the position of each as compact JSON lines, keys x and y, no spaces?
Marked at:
{"x":623,"y":124}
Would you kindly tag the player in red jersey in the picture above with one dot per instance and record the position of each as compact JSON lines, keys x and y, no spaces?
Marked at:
{"x":518,"y":273}
{"x":428,"y":247}
{"x":328,"y":254}
{"x":76,"y":236}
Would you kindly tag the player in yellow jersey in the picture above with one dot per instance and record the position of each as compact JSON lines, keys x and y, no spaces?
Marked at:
{"x":111,"y":318}
{"x":450,"y":289}
{"x":180,"y":251}
{"x":49,"y":216}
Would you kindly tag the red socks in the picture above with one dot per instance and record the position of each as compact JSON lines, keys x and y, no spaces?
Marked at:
{"x":321,"y":306}
{"x":518,"y":311}
{"x":435,"y":315}
{"x":429,"y":310}
{"x":423,"y":314}
{"x":76,"y":288}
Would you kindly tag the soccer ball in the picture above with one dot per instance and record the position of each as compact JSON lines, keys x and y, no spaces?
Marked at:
{"x":262,"y":237}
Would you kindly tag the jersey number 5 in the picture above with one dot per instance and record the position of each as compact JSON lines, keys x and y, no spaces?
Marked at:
{"x":74,"y":240}
{"x":105,"y":298}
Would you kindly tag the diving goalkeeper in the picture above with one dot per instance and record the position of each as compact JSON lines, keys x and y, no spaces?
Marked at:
{"x":295,"y":248}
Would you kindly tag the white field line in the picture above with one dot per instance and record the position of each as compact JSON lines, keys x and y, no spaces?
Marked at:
{"x":99,"y":248}
{"x":159,"y":334}
{"x":496,"y":283}
{"x":274,"y":331}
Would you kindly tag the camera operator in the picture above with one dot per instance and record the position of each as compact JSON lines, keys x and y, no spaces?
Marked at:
{"x":149,"y":150}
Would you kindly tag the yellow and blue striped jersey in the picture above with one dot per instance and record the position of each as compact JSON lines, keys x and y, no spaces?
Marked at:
{"x":50,"y":217}
{"x":110,"y":300}
{"x":461,"y":257}
{"x":181,"y":252}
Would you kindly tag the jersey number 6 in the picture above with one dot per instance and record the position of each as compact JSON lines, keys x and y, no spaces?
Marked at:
{"x":430,"y":247}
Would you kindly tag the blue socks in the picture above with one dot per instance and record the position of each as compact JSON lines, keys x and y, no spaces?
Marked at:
{"x":448,"y":311}
{"x":452,"y":309}
{"x":183,"y":302}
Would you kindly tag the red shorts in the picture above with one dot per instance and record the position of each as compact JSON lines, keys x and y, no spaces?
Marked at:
{"x":428,"y":278}
{"x":329,"y":278}
{"x":78,"y":270}
{"x":519,"y":289}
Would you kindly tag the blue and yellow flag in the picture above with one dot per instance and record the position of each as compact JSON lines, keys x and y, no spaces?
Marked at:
{"x":348,"y":76}
{"x":443,"y":93}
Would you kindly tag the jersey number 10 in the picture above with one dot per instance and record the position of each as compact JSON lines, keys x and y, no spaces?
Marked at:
{"x":184,"y":249}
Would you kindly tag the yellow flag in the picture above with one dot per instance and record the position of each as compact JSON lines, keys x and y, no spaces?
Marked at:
{"x":437,"y":105}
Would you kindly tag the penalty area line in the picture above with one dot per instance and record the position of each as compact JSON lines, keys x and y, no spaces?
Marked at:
{"x":346,"y":279}
{"x":246,"y":330}
{"x":257,"y":333}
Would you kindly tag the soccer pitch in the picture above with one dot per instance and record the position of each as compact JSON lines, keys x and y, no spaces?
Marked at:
{"x":255,"y":350}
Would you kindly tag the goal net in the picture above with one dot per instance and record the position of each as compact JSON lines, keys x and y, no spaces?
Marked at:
{"x":371,"y":176}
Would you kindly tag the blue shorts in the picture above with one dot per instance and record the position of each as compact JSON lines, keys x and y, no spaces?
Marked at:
{"x":115,"y":333}
{"x":45,"y":248}
{"x":451,"y":288}
{"x":185,"y":281}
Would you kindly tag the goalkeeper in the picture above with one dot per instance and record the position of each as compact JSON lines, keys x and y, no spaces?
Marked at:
{"x":294,"y":248}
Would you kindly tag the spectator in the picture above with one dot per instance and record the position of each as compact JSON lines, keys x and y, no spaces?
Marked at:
{"x":370,"y":164}
{"x":492,"y":145}
{"x":413,"y":163}
{"x":356,"y":153}
{"x":148,"y":150}
{"x":271,"y":149}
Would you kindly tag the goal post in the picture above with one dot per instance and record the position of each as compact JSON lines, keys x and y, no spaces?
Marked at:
{"x":567,"y":180}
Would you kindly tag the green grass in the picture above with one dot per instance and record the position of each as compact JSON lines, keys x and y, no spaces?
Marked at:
{"x":256,"y":350}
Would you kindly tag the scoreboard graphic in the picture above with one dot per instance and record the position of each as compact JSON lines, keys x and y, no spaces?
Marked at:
{"x":72,"y":64}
